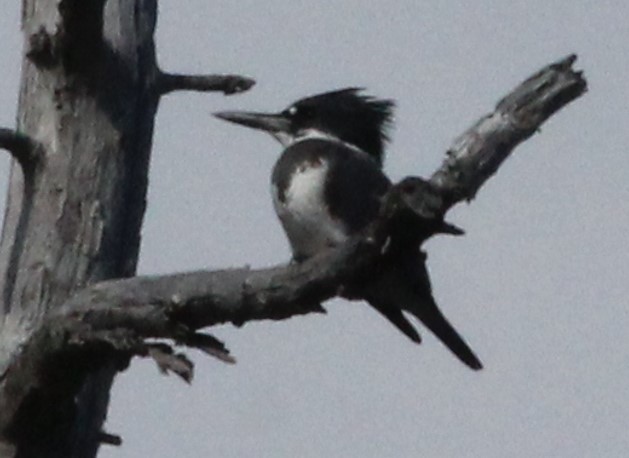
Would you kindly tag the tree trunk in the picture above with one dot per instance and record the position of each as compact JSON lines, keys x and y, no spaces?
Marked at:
{"x":74,"y":216}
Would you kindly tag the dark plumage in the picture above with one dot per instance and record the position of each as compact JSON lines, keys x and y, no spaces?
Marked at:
{"x":327,"y":186}
{"x":355,"y":198}
{"x":360,"y":120}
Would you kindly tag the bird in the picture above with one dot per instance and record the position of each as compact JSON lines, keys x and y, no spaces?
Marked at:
{"x":328,"y":185}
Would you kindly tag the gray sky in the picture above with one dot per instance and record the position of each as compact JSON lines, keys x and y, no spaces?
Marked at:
{"x":538,"y":286}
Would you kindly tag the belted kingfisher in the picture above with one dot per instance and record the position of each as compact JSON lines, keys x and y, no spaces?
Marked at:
{"x":327,"y":186}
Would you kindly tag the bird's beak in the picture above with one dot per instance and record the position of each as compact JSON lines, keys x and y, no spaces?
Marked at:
{"x":272,"y":123}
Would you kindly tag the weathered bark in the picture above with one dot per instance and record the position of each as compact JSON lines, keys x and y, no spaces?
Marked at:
{"x":228,"y":84}
{"x":479,"y":151}
{"x":97,"y":329}
{"x":74,"y":211}
{"x":85,"y":97}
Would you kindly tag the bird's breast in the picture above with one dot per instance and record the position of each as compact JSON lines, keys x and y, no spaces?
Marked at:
{"x":299,"y":200}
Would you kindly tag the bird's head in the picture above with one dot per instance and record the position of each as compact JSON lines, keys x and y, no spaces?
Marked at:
{"x":345,"y":114}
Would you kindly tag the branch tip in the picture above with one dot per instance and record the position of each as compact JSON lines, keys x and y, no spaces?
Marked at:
{"x":109,"y":439}
{"x":227,"y":84}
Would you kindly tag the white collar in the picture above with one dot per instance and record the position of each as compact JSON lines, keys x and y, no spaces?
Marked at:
{"x":312,"y":134}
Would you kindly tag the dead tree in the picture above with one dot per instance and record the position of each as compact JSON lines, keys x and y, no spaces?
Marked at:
{"x":73,"y":314}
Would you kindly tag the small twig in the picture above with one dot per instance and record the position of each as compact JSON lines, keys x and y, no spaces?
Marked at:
{"x":228,"y":84}
{"x":23,"y":148}
{"x":110,"y":439}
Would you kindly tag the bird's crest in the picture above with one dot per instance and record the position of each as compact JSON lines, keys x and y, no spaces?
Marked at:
{"x":358,"y":119}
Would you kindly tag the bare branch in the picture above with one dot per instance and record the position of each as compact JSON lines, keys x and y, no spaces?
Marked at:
{"x":111,"y":321}
{"x":228,"y":84}
{"x":23,"y":148}
{"x":205,"y":298}
{"x":476,"y":155}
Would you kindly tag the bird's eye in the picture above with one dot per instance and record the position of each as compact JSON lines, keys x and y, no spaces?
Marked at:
{"x":301,"y":112}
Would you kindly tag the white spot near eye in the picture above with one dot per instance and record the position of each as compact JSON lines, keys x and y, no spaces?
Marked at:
{"x":292,"y":110}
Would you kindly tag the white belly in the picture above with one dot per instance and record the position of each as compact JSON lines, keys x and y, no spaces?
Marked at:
{"x":305,"y":218}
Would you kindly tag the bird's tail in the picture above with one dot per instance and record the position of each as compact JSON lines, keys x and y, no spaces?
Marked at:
{"x":405,"y":286}
{"x":395,"y":316}
{"x":434,"y":320}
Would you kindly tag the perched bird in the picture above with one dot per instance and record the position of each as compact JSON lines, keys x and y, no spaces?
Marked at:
{"x":327,"y":186}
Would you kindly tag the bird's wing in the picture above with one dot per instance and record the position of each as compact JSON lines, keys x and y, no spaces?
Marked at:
{"x":354,"y":187}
